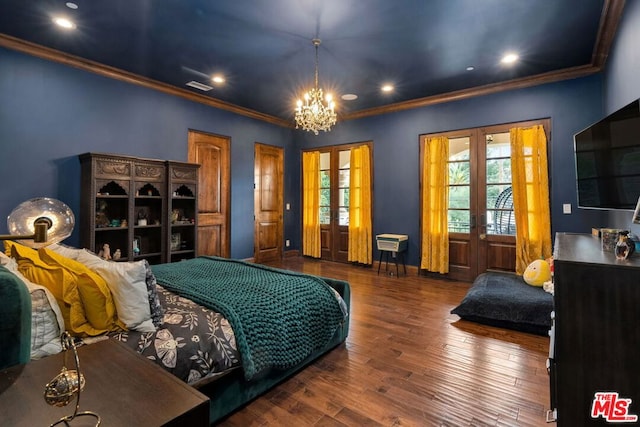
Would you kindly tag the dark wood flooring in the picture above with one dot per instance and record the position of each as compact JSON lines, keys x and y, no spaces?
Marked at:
{"x":408,"y":362}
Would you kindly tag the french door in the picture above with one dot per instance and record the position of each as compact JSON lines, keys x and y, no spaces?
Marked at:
{"x":335,"y":174}
{"x":481,"y":218}
{"x":334,"y":203}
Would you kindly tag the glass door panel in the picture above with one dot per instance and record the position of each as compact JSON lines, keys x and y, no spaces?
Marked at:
{"x":500,"y":218}
{"x":459,"y":215}
{"x":325,"y":188}
{"x":344,"y":173}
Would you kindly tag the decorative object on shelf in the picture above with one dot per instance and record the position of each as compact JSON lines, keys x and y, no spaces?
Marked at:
{"x":313,"y":114}
{"x":609,"y":238}
{"x":68,"y":384}
{"x":117,"y":255}
{"x":102,"y":220}
{"x":115,"y":223}
{"x":105,"y":252}
{"x":136,"y":245}
{"x":175,"y":216}
{"x":142,"y":217}
{"x":175,"y":242}
{"x":625,"y":247}
{"x":39,"y":222}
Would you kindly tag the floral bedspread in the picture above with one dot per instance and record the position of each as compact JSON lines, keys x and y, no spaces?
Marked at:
{"x":193,"y":342}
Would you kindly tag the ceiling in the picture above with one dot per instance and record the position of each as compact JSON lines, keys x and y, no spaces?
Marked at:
{"x":264,"y":51}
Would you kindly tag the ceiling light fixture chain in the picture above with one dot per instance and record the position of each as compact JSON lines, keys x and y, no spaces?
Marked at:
{"x":313,"y":114}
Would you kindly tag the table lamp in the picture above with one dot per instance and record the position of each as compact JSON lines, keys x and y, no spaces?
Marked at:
{"x":40,"y":222}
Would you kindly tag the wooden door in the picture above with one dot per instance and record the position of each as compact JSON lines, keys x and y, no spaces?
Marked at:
{"x":212,"y":152}
{"x":268,"y":202}
{"x":481,"y":219}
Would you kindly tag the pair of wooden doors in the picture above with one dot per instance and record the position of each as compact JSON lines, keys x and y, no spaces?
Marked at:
{"x":213,"y":153}
{"x":481,"y":218}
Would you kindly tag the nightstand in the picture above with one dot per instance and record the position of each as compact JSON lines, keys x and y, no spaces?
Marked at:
{"x":122,"y":387}
{"x":394,"y":244}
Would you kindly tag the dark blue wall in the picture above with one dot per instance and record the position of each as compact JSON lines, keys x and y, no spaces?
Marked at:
{"x":622,"y":78}
{"x":50,"y":113}
{"x":571,"y":105}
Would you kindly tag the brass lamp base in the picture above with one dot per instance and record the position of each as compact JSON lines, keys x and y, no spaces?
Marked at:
{"x":68,"y":418}
{"x":67,"y":384}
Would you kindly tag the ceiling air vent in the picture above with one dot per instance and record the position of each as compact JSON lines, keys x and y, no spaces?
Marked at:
{"x":203,"y":87}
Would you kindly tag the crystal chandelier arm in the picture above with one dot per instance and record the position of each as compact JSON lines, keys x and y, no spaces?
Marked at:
{"x":316,"y":43}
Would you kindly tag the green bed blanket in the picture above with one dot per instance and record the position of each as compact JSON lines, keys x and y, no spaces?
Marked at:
{"x":279,"y":317}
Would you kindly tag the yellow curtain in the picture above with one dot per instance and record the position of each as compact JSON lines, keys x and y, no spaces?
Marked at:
{"x":360,"y":237}
{"x":530,"y":195}
{"x":435,"y":202}
{"x":311,"y":203}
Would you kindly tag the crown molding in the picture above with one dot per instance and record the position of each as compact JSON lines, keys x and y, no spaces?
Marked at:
{"x":550,"y":77}
{"x":609,"y":19}
{"x":125,"y":76}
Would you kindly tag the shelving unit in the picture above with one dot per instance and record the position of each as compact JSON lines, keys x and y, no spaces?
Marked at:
{"x":127,"y":203}
{"x":149,"y":210}
{"x":183,"y":210}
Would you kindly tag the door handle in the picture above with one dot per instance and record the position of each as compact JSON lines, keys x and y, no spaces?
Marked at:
{"x":483,"y":227}
{"x":483,"y":223}
{"x":472,"y":223}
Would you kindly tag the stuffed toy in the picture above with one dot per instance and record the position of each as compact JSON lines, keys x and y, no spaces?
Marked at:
{"x":537,"y":273}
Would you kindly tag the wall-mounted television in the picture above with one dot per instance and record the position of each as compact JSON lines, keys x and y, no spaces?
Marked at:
{"x":608,"y":161}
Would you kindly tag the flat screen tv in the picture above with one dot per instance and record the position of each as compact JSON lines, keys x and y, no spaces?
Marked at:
{"x":608,"y":161}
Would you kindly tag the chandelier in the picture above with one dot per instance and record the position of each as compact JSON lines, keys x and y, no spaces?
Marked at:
{"x":316,"y":113}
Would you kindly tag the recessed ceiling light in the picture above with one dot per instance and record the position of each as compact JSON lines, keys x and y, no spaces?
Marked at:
{"x":71,"y":5}
{"x":387,"y":88}
{"x":471,"y":68}
{"x":218,"y":78}
{"x":64,"y":23}
{"x":349,"y":96}
{"x":509,"y":58}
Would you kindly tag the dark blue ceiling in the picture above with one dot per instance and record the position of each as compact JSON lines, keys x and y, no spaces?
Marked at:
{"x":263,"y":47}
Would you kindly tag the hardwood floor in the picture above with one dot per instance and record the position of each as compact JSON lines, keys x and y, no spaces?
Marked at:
{"x":408,"y":362}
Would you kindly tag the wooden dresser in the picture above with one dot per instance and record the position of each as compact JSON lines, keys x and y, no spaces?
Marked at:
{"x":595,"y":346}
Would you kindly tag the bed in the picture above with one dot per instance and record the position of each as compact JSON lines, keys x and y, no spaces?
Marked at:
{"x":230,"y":328}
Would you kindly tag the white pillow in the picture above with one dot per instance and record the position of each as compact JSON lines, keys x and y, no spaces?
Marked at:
{"x":47,"y":322}
{"x":126,"y":281}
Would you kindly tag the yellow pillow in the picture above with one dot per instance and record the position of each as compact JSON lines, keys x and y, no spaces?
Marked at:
{"x":59,"y":281}
{"x":537,"y":273}
{"x":96,"y":297}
